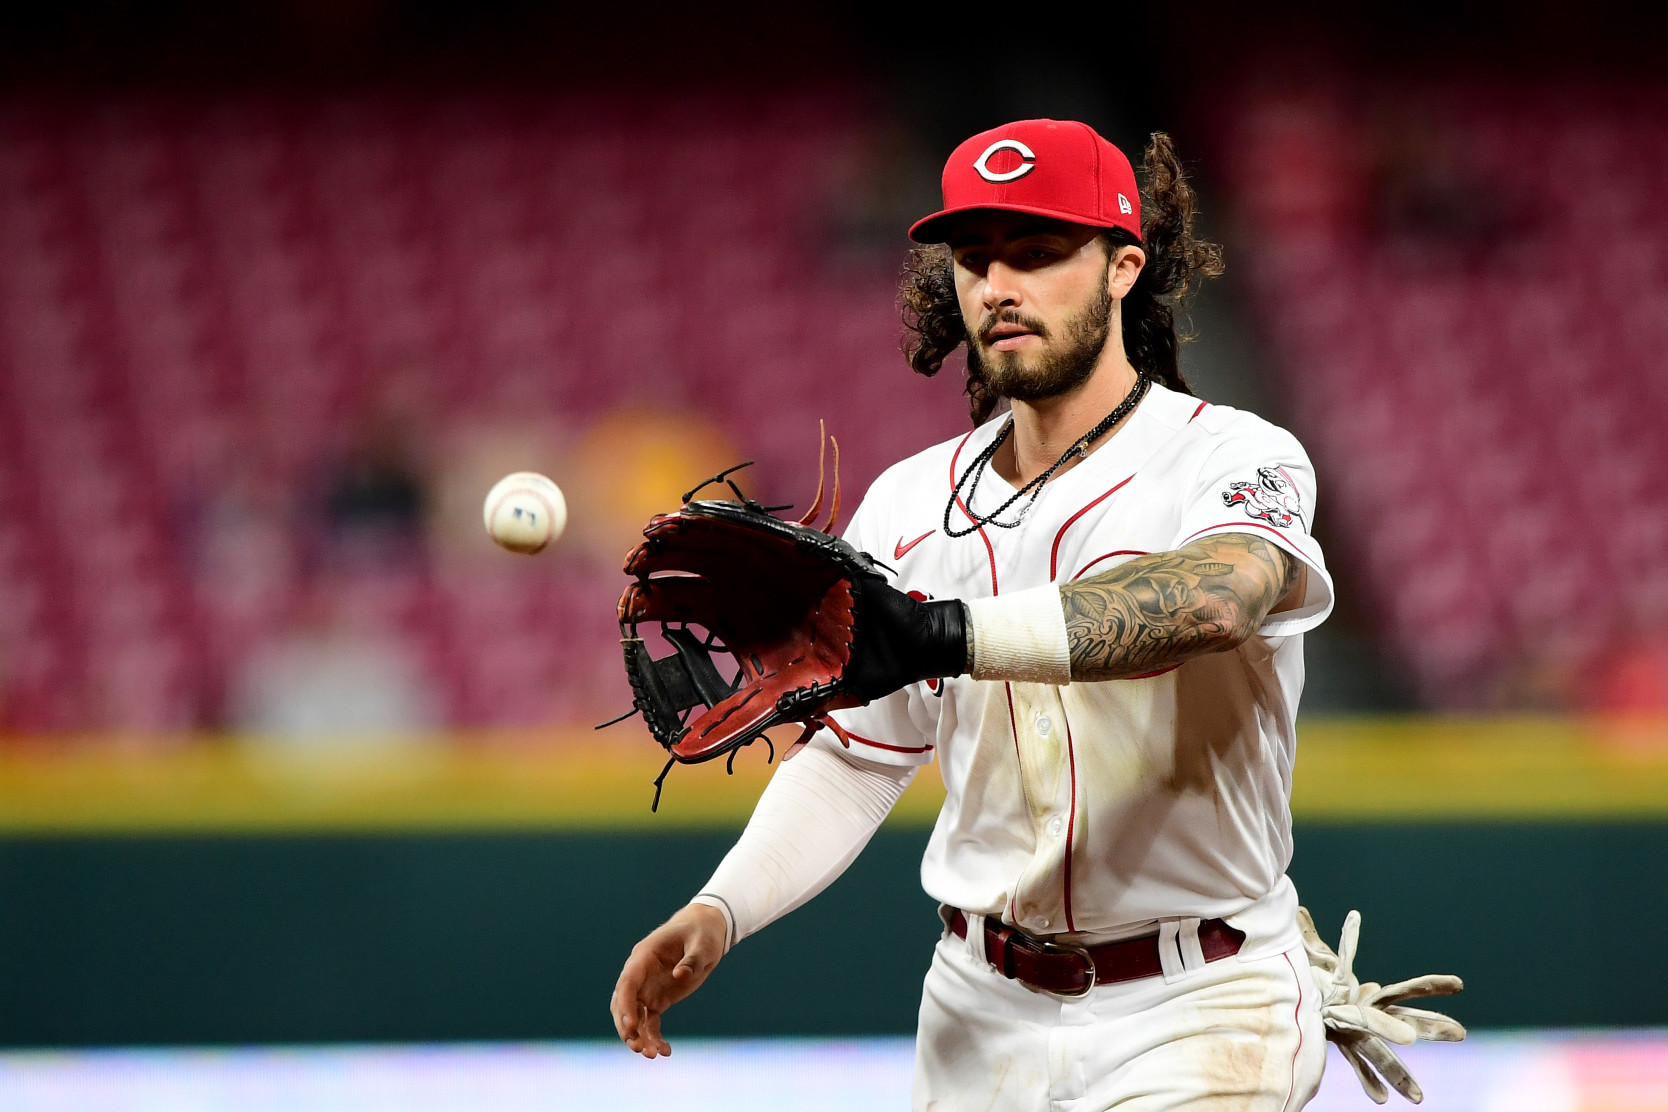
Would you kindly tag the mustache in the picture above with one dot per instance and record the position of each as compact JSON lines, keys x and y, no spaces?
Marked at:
{"x":1010,"y":316}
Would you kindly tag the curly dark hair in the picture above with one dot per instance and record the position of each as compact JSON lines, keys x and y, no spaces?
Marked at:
{"x":1176,"y":261}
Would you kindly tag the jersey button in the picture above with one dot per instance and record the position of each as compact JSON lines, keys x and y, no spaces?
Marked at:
{"x":1055,"y":825}
{"x":1044,"y":725}
{"x":1044,"y":923}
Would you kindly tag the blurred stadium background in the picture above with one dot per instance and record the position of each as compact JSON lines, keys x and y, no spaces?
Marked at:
{"x":291,"y":755}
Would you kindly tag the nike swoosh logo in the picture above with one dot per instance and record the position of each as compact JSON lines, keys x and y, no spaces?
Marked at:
{"x":902,"y":548}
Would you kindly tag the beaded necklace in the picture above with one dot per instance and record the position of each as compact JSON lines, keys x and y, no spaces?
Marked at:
{"x":975,"y":470}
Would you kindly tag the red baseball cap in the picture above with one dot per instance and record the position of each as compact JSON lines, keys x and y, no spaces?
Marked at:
{"x":1057,"y":168}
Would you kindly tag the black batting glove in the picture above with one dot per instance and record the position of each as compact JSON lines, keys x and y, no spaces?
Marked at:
{"x":898,"y":640}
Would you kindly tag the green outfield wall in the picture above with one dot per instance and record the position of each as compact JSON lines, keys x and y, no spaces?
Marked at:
{"x":190,"y":938}
{"x":489,"y":886}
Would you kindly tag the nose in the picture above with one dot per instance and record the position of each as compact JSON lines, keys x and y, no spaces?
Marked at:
{"x":1002,"y":289}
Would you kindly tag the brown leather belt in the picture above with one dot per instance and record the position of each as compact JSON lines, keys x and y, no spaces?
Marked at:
{"x":1066,"y":970}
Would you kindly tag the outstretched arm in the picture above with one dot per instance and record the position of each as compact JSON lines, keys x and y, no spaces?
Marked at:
{"x":815,"y":816}
{"x":1152,"y":613}
{"x":1161,"y":610}
{"x":665,"y":967}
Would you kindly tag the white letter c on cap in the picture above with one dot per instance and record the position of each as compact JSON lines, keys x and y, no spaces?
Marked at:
{"x":1019,"y":171}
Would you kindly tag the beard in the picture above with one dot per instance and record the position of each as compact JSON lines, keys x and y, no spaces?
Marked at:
{"x":1061,"y":367}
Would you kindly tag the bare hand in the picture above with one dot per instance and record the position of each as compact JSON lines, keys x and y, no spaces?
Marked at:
{"x":665,"y":967}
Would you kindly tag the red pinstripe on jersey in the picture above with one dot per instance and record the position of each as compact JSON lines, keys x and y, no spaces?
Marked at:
{"x":1013,"y":724}
{"x":1054,"y":553}
{"x":990,"y":553}
{"x":1071,"y":821}
{"x":1241,"y":525}
{"x":1106,"y":556}
{"x":892,"y":748}
{"x":1297,"y":1018}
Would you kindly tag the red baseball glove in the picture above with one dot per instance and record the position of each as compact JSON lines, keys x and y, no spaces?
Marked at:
{"x":810,"y":621}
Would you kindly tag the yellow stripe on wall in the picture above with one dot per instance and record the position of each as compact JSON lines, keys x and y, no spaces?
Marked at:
{"x":1348,"y":770}
{"x":1455,"y":768}
{"x":554,"y":782}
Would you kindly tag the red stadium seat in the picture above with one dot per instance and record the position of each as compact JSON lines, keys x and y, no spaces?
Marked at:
{"x":1492,"y":429}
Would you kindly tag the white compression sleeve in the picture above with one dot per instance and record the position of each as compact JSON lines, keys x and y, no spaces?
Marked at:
{"x":1021,"y":637}
{"x":813,"y":819}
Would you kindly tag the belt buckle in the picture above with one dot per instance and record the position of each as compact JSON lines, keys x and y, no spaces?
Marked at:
{"x":1080,"y":951}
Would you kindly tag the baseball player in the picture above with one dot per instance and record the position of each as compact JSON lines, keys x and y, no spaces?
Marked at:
{"x":1097,"y":630}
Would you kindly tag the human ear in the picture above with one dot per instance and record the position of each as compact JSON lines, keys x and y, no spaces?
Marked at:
{"x":1122,"y":269}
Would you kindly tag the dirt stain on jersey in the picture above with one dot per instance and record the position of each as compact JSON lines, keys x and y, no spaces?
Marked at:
{"x":1234,"y":1059}
{"x":1113,"y":724}
{"x":1043,"y":761}
{"x":993,"y":1086}
{"x":1210,"y":733}
{"x":1000,"y":1078}
{"x":994,"y":772}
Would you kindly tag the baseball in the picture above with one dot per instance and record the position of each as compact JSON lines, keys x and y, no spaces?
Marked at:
{"x":525,"y":512}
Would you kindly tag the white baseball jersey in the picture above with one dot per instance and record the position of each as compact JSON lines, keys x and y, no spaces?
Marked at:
{"x":1096,"y":809}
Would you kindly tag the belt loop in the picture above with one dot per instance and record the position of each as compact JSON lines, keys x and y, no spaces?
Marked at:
{"x":1169,"y":952}
{"x":1003,"y":957}
{"x":1192,"y":954}
{"x":976,"y":936}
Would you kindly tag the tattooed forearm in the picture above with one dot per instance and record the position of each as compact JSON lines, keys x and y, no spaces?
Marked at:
{"x":1159,"y":610}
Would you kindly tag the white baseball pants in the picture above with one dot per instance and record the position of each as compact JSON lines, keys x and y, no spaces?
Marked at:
{"x":1226,"y":1036}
